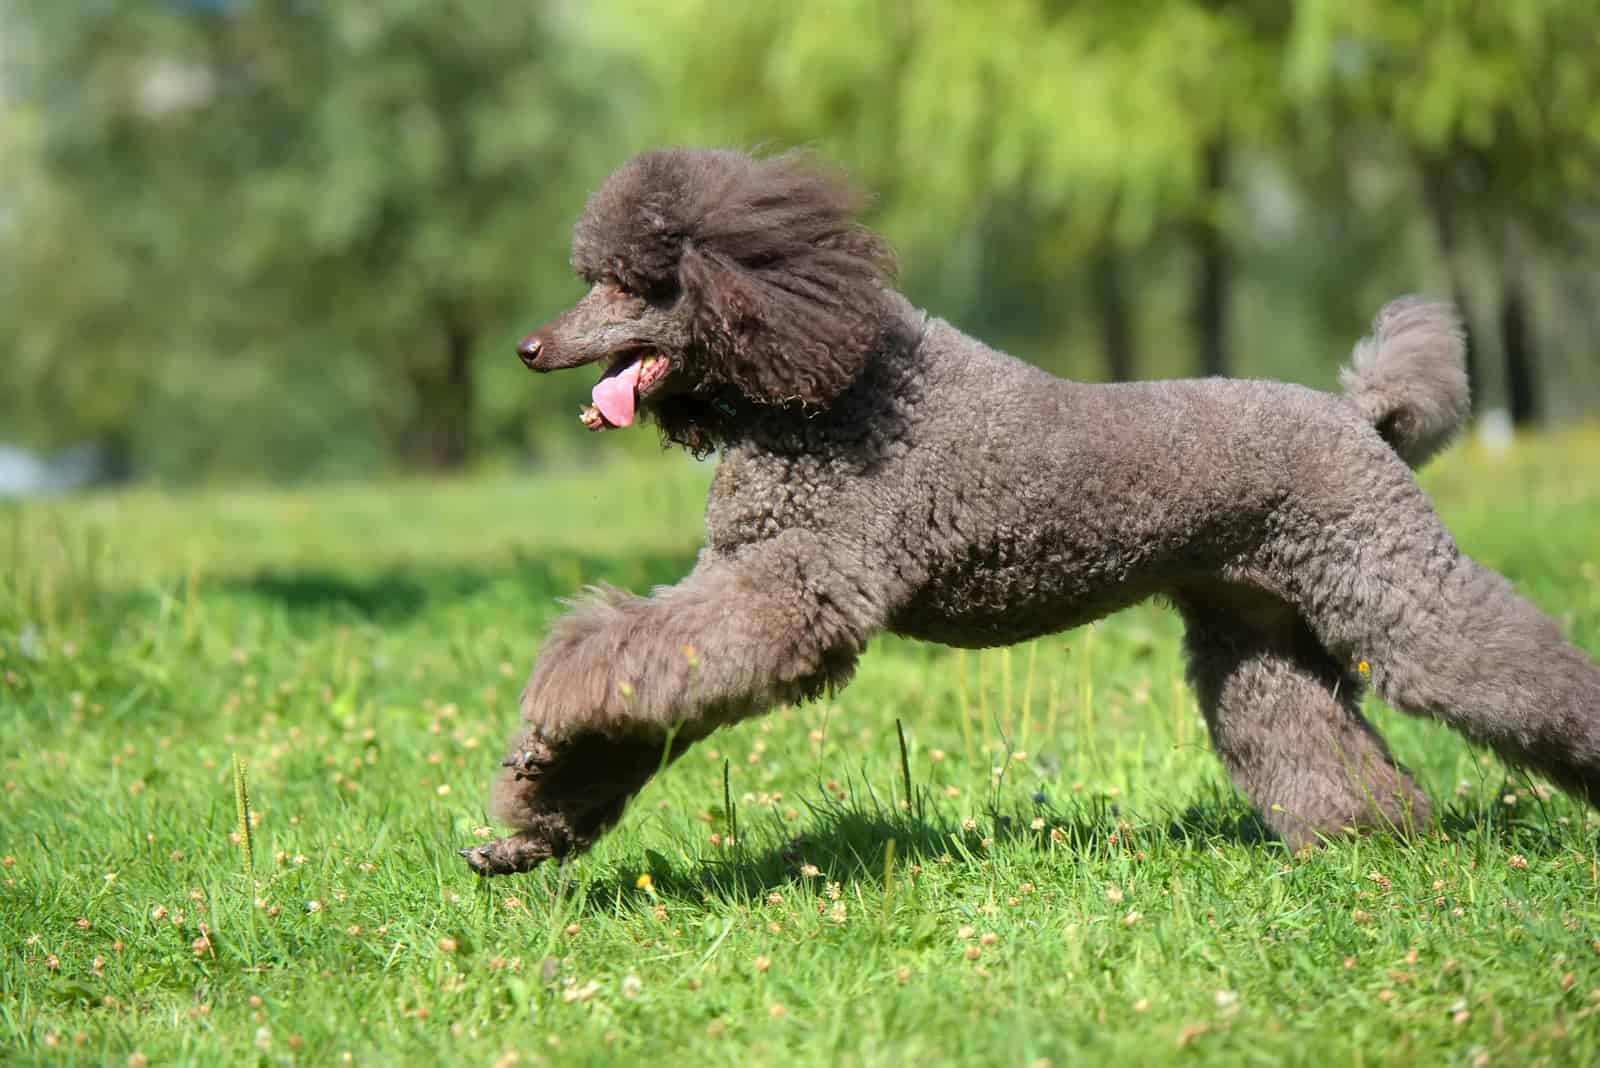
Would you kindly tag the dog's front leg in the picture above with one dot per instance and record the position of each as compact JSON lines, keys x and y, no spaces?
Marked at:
{"x":626,"y":683}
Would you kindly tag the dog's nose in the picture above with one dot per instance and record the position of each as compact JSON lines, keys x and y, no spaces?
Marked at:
{"x":529,"y":350}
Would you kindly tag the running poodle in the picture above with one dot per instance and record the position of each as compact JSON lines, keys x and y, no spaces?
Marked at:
{"x":883,"y":471}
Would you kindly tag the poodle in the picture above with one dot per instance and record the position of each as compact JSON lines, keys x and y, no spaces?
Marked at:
{"x":882,"y":471}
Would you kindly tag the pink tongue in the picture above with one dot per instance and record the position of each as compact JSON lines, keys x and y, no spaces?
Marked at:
{"x":614,"y":395}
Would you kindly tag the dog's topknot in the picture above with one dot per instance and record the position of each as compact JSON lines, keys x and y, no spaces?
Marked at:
{"x":783,"y":286}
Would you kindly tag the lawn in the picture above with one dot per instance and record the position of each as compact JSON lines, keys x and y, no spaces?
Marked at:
{"x":1073,"y":880}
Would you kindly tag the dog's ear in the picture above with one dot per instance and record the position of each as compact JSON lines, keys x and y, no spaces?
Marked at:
{"x":785,"y":289}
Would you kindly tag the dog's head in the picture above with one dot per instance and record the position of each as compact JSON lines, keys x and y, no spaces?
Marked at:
{"x":710,"y":271}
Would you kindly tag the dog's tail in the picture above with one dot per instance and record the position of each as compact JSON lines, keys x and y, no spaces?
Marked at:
{"x":1409,"y":377}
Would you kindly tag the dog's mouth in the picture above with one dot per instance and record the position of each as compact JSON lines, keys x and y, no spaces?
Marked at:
{"x":632,"y":376}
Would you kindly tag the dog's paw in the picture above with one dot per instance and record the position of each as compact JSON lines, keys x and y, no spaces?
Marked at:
{"x":528,"y":761}
{"x":563,"y":794}
{"x":508,"y":856}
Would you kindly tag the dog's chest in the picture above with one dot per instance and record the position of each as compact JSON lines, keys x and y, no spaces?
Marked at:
{"x":757,"y":496}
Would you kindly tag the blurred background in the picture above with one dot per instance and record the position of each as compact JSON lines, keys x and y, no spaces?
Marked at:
{"x":288,"y":240}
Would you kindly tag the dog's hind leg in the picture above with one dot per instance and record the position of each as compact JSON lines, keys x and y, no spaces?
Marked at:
{"x":1379,"y":579}
{"x":1285,"y":723}
{"x":625,"y":683}
{"x":1454,"y":642}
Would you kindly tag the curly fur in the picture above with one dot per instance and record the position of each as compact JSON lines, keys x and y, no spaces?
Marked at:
{"x":778,"y":281}
{"x":882,"y":471}
{"x":1409,"y":377}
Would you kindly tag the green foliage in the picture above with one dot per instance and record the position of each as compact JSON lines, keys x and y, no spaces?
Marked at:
{"x":288,"y":223}
{"x":362,"y":648}
{"x":301,"y":239}
{"x":1094,"y":114}
{"x":1512,"y":81}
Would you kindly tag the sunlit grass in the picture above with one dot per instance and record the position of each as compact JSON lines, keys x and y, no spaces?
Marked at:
{"x":1072,"y":879}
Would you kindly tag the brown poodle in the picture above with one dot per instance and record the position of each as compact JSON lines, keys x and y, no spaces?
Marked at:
{"x":883,"y":471}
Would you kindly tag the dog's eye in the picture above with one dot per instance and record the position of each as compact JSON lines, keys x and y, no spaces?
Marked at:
{"x":613,"y":282}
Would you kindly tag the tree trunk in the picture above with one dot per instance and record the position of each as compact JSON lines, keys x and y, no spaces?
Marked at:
{"x":1111,"y":307}
{"x":1210,"y":308}
{"x":1516,"y":341}
{"x":1440,"y":192}
{"x":440,"y":438}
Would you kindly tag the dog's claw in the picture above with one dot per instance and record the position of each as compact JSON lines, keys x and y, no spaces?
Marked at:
{"x":578,"y":788}
{"x":480,"y":861}
{"x":507,"y":856}
{"x":529,"y":763}
{"x":524,"y":765}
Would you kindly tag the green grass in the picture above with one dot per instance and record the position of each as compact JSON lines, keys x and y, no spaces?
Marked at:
{"x":1075,"y":879}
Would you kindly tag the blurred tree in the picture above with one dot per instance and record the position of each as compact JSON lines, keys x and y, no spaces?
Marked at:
{"x":1104,"y":127}
{"x":298,"y":238}
{"x":1498,"y":106}
{"x":253,"y":181}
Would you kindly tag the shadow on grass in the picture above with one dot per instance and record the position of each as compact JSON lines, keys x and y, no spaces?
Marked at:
{"x":395,"y":594}
{"x":847,"y":841}
{"x":1536,"y":831}
{"x":850,"y":841}
{"x":401,"y":593}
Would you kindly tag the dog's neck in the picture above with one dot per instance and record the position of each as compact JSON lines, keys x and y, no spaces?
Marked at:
{"x":725,"y":419}
{"x":868,"y":409}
